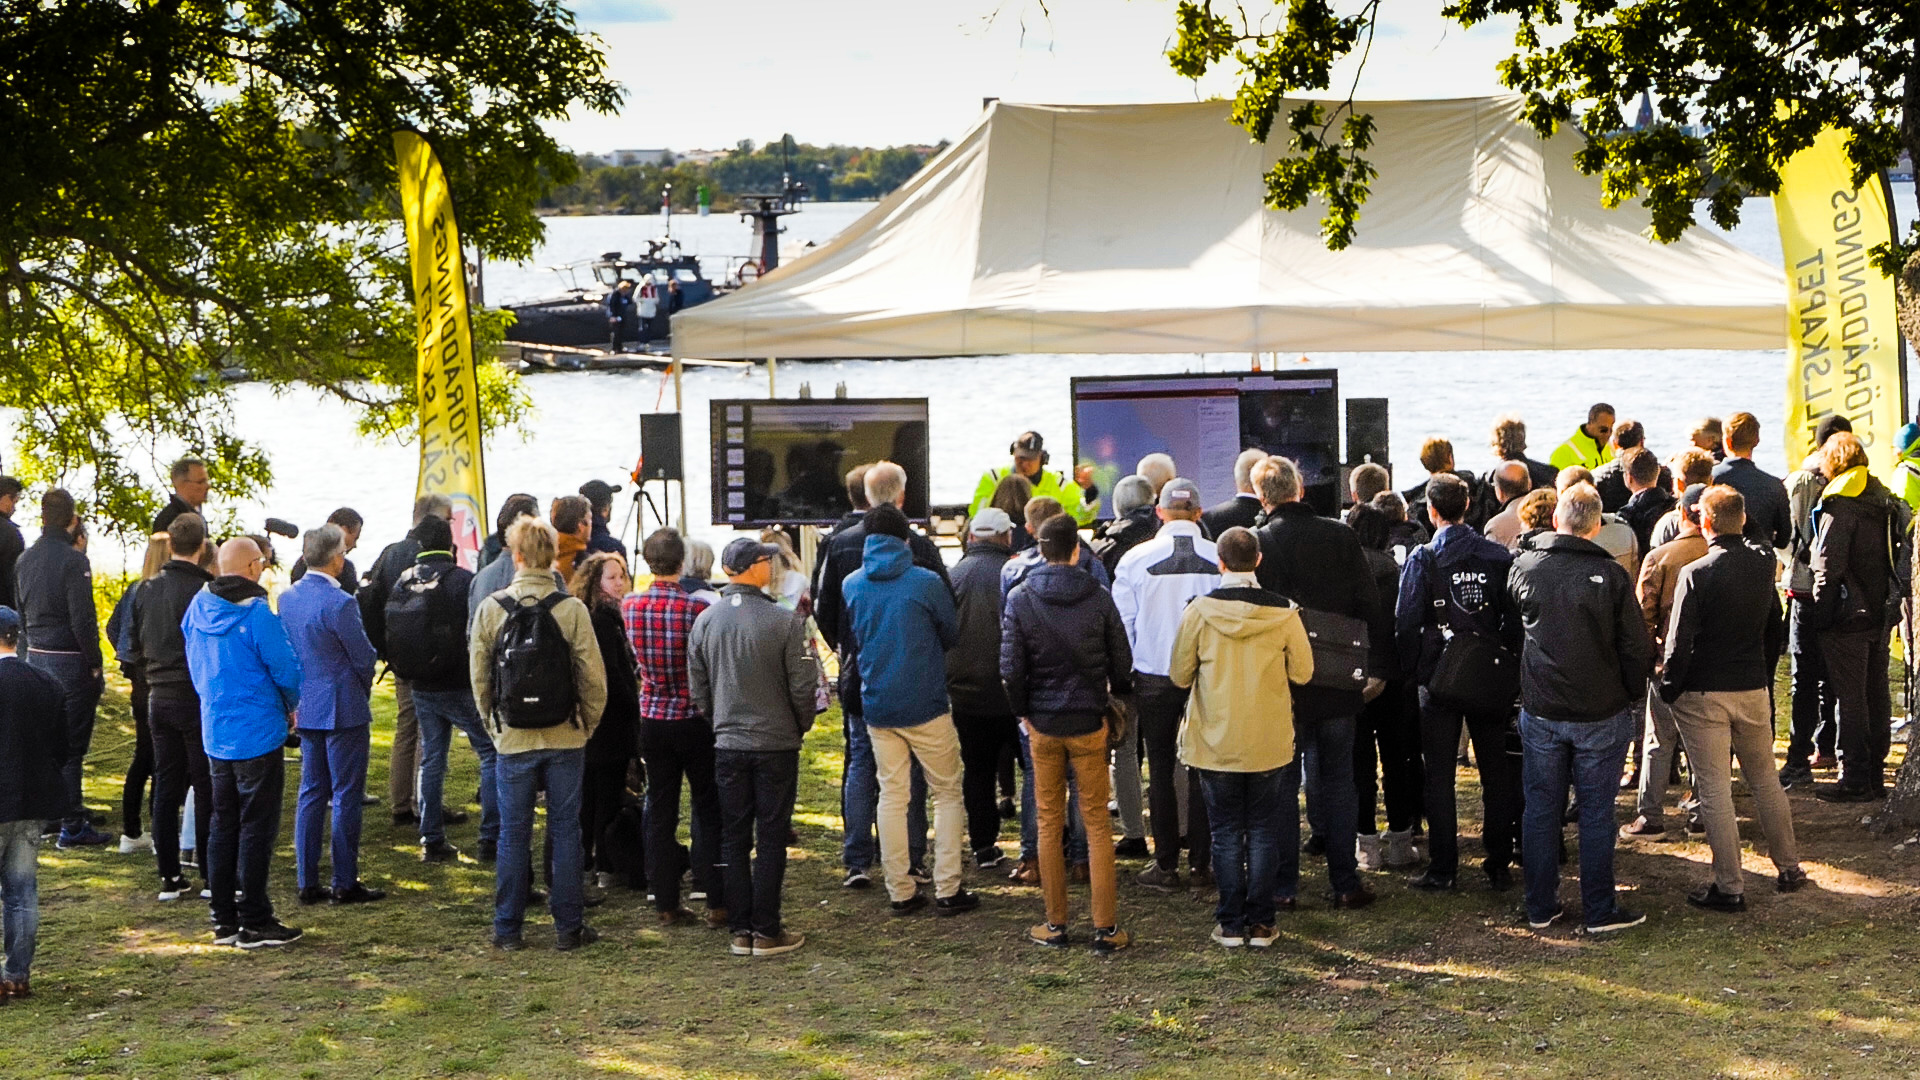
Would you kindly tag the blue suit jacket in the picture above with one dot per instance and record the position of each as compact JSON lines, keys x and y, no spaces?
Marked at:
{"x":335,"y":656}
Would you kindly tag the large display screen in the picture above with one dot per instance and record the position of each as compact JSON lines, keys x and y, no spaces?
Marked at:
{"x":1204,"y":421}
{"x":785,"y":462}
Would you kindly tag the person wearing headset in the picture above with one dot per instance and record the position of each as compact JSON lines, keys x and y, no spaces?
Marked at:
{"x":1080,"y":498}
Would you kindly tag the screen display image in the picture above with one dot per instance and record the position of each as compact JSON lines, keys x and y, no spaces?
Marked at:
{"x":1204,"y":421}
{"x":785,"y":462}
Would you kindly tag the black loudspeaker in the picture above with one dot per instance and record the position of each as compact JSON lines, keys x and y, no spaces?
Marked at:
{"x":660,"y":446}
{"x":1367,"y":430}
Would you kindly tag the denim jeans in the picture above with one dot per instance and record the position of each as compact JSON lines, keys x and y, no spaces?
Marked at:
{"x":20,"y":894}
{"x":518,"y":777}
{"x":1030,"y":811}
{"x":1586,"y":757}
{"x":333,"y":775}
{"x":436,"y":714}
{"x":180,"y":768}
{"x":756,"y":808}
{"x":82,"y":687}
{"x":1323,"y":748}
{"x":1244,"y":810}
{"x":246,"y":825}
{"x":860,"y":803}
{"x":673,"y":750}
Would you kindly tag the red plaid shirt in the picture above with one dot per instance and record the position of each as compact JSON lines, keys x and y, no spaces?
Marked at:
{"x":658,"y":622}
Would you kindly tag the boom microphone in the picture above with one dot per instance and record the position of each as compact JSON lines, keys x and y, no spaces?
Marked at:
{"x":280,"y":527}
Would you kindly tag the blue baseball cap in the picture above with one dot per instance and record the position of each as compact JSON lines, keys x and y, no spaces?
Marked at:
{"x":9,"y":621}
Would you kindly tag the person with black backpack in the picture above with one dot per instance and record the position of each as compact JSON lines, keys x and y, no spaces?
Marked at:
{"x":426,"y":624}
{"x":1453,"y":606}
{"x":395,"y":558}
{"x":540,"y":685}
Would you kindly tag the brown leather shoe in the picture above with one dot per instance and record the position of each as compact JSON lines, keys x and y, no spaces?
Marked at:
{"x":1081,"y":873}
{"x":1358,"y":898}
{"x":717,"y":918}
{"x":11,"y":989}
{"x":678,"y":917}
{"x":1026,"y":873}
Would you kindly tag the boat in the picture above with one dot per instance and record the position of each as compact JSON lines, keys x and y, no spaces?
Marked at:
{"x":666,"y":279}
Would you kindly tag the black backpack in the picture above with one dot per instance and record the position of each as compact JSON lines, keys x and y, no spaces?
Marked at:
{"x":426,"y":626}
{"x":532,"y":665}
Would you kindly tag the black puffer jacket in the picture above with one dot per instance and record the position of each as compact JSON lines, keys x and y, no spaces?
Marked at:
{"x":973,"y":664}
{"x":1586,"y":653}
{"x":1852,"y":568}
{"x":1123,"y":534}
{"x":1318,"y":563}
{"x":1062,"y":646}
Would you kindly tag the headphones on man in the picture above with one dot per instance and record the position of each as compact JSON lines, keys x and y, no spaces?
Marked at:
{"x":1029,"y":442}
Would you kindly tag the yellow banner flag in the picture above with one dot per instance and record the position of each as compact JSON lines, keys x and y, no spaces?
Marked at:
{"x":451,"y":463}
{"x":1845,"y":354}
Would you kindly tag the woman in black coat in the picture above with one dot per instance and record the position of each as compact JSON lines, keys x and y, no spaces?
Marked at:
{"x":601,"y":582}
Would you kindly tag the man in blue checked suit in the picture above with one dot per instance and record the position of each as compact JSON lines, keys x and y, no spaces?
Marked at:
{"x":324,"y":624}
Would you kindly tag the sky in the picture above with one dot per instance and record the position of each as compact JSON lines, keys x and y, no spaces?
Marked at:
{"x":704,"y":74}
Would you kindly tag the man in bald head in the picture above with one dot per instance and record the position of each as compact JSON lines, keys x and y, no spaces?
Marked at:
{"x":1510,"y":481}
{"x":248,"y":679}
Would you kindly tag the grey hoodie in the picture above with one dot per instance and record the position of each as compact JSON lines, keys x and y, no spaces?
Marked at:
{"x":749,"y":669}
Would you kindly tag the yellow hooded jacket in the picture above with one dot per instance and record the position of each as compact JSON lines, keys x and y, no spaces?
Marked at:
{"x":1241,"y":649}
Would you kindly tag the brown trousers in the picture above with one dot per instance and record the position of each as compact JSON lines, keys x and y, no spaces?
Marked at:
{"x":1087,"y":756}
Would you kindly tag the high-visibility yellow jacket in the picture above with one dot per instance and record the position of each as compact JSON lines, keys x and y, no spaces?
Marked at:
{"x":1053,"y":485}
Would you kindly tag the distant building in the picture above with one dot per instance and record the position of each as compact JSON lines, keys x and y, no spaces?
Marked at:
{"x":702,"y":157}
{"x":641,"y":157}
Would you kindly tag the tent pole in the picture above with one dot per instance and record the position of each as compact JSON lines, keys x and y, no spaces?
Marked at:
{"x":770,"y":366}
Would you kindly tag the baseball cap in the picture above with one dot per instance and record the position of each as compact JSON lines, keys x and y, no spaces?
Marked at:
{"x":741,"y":554}
{"x":9,"y":621}
{"x":1690,"y":502}
{"x":1029,"y":444}
{"x":1830,"y":423}
{"x":598,"y":492}
{"x":990,"y":521}
{"x":1180,"y":494}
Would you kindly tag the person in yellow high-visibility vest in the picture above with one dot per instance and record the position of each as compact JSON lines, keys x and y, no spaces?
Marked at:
{"x":1079,"y":497}
{"x":1589,"y":447}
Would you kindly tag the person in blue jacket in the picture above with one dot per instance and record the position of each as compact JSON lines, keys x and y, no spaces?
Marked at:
{"x":903,"y":687}
{"x":248,"y":679}
{"x":337,"y":660}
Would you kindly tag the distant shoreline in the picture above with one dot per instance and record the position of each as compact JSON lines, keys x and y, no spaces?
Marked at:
{"x":581,"y":211}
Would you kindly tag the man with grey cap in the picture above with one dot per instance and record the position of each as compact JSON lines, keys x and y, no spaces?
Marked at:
{"x":749,"y":671}
{"x":981,"y":715}
{"x":1152,"y":587}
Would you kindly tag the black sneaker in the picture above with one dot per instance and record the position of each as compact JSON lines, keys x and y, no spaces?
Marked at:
{"x":856,"y":879}
{"x":404,"y":818}
{"x":1542,"y":924}
{"x":1432,"y":881}
{"x":315,"y":894}
{"x":1712,"y":899}
{"x":508,"y":943}
{"x":987,"y":858}
{"x":1316,"y":846}
{"x":919,"y":874}
{"x":438,"y":851}
{"x":908,"y":906}
{"x":226,"y":935}
{"x":1621,"y":919}
{"x":487,"y":853}
{"x":1835,"y":793}
{"x":1499,"y":878}
{"x":1791,"y":880}
{"x":358,"y":893}
{"x":958,"y":904}
{"x":1008,"y":811}
{"x":1133,"y":847}
{"x":271,"y":935}
{"x":174,"y":888}
{"x":451,"y":816}
{"x":1796,"y":776}
{"x":575,"y":939}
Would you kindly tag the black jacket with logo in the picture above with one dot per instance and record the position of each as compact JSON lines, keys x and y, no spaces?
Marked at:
{"x":1585,"y":653}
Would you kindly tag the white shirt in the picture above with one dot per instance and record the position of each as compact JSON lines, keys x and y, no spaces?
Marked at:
{"x":1152,"y":585}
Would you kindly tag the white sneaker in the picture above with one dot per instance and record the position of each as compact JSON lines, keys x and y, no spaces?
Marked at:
{"x":606,"y":879}
{"x":136,"y":845}
{"x":1231,"y":941}
{"x":1366,"y":849}
{"x":1402,"y":852}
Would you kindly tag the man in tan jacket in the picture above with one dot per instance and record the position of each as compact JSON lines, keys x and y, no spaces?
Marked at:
{"x":1240,"y":648}
{"x":1659,"y":576}
{"x":522,"y":636}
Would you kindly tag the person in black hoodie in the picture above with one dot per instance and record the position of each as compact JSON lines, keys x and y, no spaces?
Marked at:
{"x":54,"y":584}
{"x":1726,"y":637}
{"x":395,"y":559}
{"x":173,"y":708}
{"x":1855,"y":601}
{"x":426,"y":643}
{"x":1648,"y":500}
{"x":1063,"y":652}
{"x":981,"y":715}
{"x":1135,"y":524}
{"x":1317,"y":563}
{"x":601,"y":582}
{"x":1584,"y":661}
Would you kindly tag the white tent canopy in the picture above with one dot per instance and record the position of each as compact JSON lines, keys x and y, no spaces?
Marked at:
{"x":1140,"y":229}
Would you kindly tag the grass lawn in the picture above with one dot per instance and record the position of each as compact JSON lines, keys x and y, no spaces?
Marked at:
{"x":1815,"y":984}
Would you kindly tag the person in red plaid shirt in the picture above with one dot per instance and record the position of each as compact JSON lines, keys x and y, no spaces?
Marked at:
{"x":675,"y":740}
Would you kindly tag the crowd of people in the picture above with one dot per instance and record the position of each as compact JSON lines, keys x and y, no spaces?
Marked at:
{"x":1167,"y":684}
